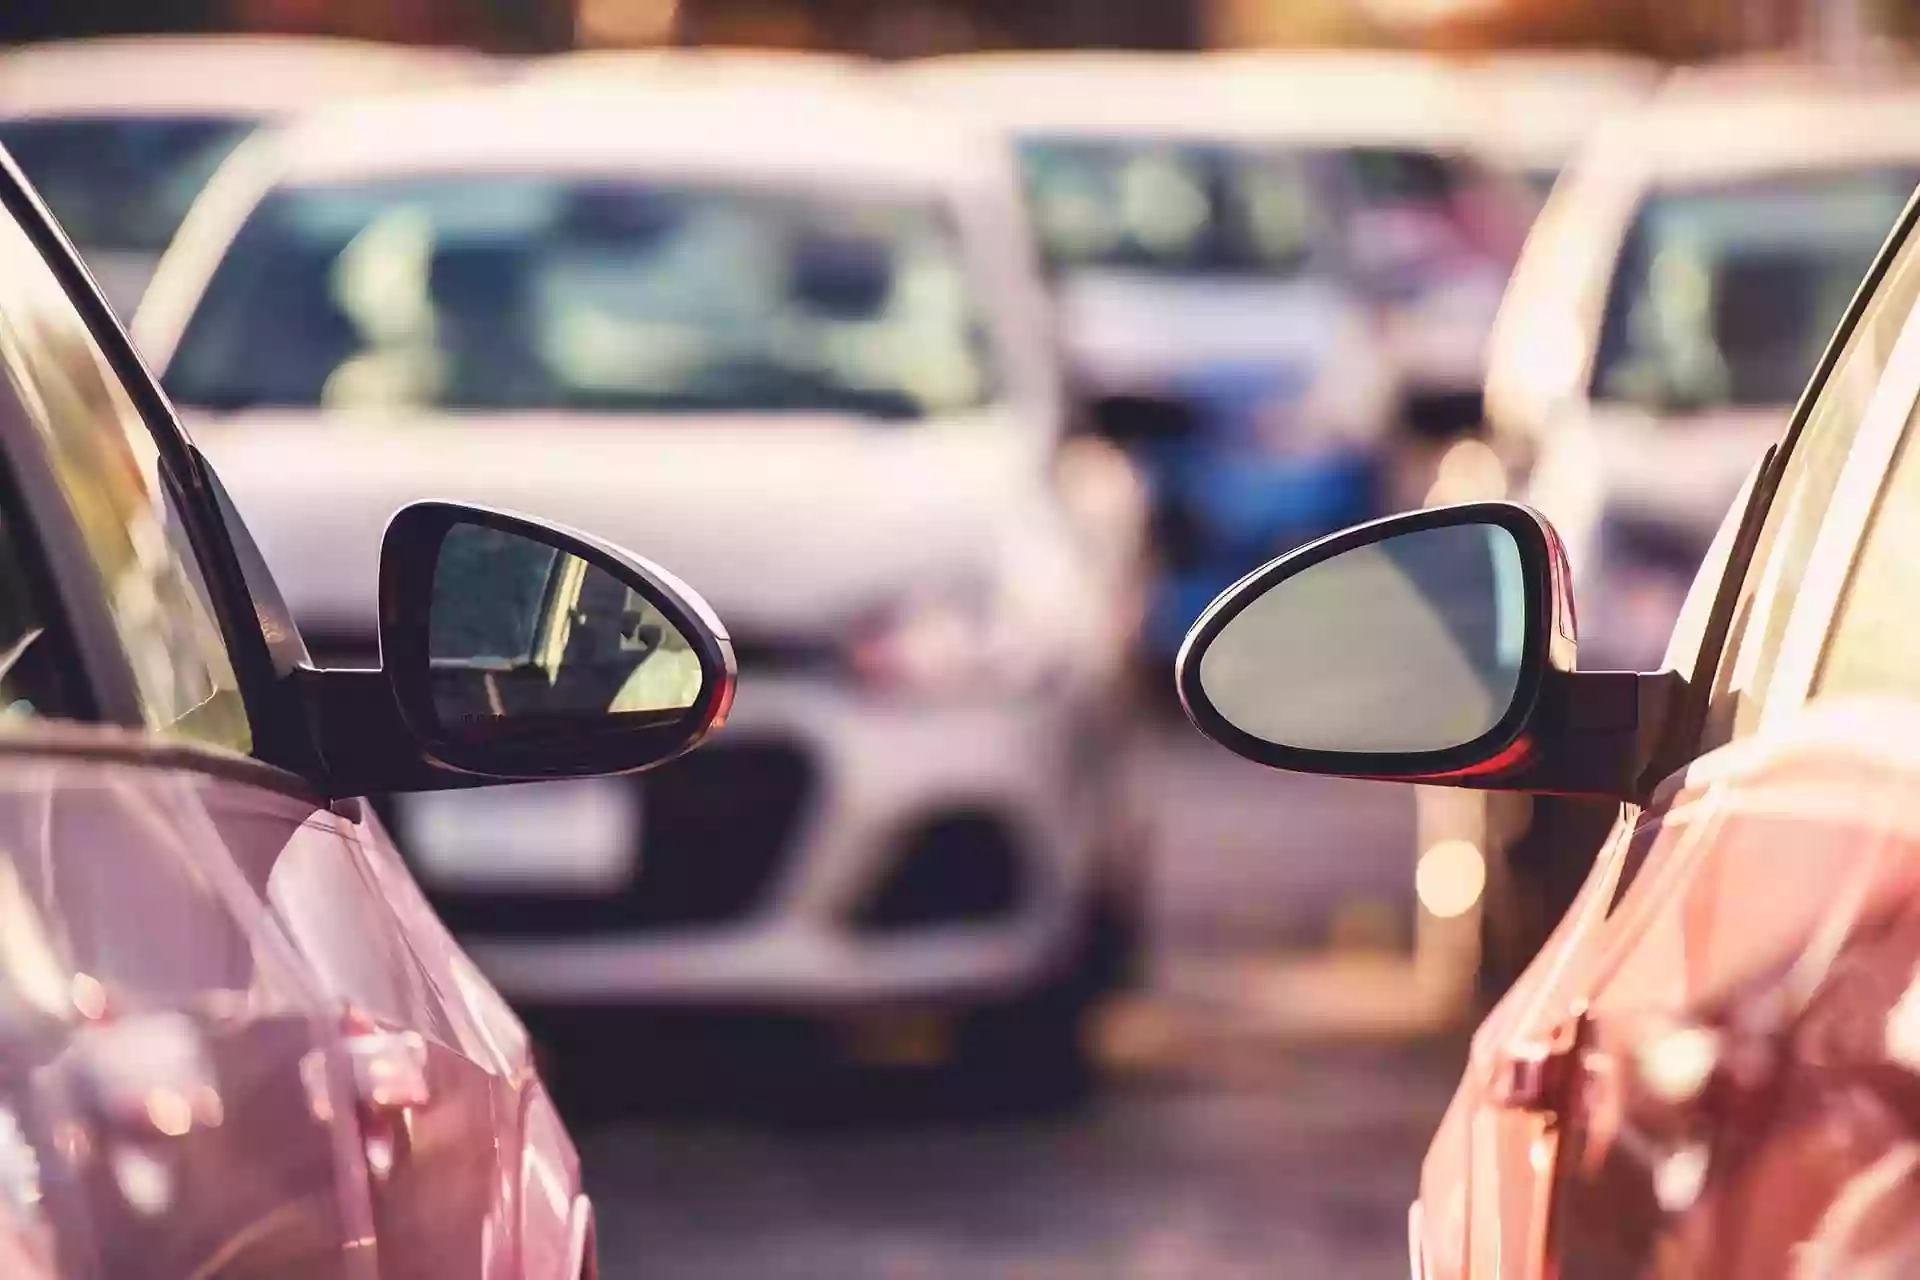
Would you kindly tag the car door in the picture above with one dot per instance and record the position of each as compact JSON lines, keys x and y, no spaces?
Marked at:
{"x":434,"y":1110}
{"x":1651,"y":942}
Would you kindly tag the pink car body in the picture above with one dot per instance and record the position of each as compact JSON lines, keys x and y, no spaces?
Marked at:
{"x":234,"y":1039}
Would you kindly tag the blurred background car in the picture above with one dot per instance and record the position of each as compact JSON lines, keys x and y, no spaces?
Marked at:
{"x":1429,"y":228}
{"x":233,"y":1038}
{"x":119,"y":133}
{"x":1739,"y":970}
{"x":811,"y":365}
{"x":1206,"y":308}
{"x":1538,"y":108}
{"x":1682,"y":282}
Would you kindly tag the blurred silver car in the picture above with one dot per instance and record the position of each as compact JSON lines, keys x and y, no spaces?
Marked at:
{"x":1430,"y":227}
{"x":1677,"y":291}
{"x":119,"y":133}
{"x":1681,"y":284}
{"x":790,"y":337}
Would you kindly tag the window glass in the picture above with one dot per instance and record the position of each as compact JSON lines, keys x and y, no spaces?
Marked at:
{"x":36,"y":669}
{"x":107,"y":467}
{"x":518,"y":292}
{"x":1870,"y":649}
{"x":1726,"y":296}
{"x":1419,"y":217}
{"x":121,"y":182}
{"x":1774,"y":574}
{"x":1169,"y":207}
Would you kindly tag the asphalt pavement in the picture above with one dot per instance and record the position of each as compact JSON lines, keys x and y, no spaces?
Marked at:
{"x":1226,"y":1140}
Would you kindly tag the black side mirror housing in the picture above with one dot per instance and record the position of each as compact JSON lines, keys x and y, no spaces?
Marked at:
{"x":516,"y":650}
{"x":1435,"y":647}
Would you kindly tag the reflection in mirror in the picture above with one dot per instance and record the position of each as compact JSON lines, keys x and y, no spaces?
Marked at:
{"x":1409,"y":644}
{"x":520,"y":631}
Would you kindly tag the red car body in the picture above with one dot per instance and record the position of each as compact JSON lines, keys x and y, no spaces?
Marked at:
{"x":1713,"y":1066}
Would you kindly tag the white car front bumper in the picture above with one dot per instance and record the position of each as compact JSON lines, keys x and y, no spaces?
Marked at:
{"x":877,"y":770}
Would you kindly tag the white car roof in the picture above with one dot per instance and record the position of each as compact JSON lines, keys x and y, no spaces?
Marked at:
{"x":1749,"y":122}
{"x":1537,"y":109}
{"x":1307,"y":98}
{"x":805,"y":129}
{"x":250,"y":76}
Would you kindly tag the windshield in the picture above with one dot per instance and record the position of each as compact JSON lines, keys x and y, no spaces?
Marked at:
{"x":527,"y":293}
{"x":1725,"y":296}
{"x":121,"y":183}
{"x":1171,"y":207}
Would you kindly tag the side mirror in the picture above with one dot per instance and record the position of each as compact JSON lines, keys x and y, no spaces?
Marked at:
{"x":1433,"y":647}
{"x":514,"y":650}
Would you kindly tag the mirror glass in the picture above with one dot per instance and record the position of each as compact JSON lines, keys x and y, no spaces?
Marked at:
{"x":524,"y":637}
{"x":1410,"y":644}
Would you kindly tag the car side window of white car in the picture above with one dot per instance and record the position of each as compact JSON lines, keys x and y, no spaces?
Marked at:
{"x":1745,"y":674}
{"x":106,"y":466}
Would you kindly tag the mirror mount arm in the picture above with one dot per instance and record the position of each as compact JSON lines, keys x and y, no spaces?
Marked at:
{"x":364,"y":744}
{"x":1598,"y":734}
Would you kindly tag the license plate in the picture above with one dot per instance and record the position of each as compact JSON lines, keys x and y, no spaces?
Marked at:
{"x":581,"y":837}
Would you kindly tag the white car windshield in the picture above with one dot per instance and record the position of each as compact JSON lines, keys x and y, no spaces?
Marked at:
{"x":1171,"y":207}
{"x":526,"y":293}
{"x":1725,"y":296}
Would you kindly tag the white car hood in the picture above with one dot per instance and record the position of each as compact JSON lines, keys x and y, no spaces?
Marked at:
{"x":788,"y":525}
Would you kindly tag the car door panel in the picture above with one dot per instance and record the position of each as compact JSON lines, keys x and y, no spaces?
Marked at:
{"x":182,"y":1096}
{"x":1778,"y":964}
{"x":437,"y":1156}
{"x":537,"y":1164}
{"x":1487,"y":1179}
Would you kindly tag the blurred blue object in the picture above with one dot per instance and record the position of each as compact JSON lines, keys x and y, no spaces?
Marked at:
{"x":1236,"y":492}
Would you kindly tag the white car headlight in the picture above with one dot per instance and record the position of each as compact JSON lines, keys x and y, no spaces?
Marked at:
{"x":954,"y":645}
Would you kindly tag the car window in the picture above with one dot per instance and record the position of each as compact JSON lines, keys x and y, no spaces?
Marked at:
{"x":1774,"y":574}
{"x":1870,"y":648}
{"x":1173,"y":207}
{"x":37,"y":666}
{"x":106,"y":465}
{"x":121,"y":182}
{"x":1725,"y":296}
{"x":518,"y":292}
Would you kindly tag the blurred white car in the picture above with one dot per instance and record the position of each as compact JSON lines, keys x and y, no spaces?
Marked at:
{"x":788,"y":335}
{"x":119,"y":133}
{"x":1675,"y":295}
